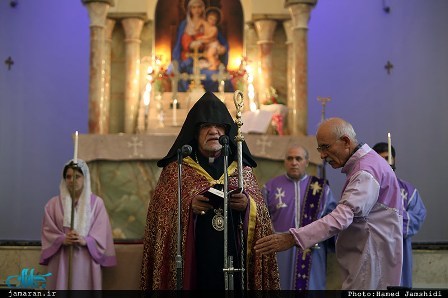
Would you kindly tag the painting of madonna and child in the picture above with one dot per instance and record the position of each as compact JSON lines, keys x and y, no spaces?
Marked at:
{"x":204,"y":39}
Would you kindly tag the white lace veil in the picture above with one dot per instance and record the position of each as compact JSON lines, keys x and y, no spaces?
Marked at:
{"x":82,"y":212}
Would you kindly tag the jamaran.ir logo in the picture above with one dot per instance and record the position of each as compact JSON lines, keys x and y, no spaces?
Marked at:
{"x":27,"y":280}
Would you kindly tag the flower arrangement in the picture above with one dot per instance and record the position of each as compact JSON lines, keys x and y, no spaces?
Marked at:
{"x":275,"y":103}
{"x":242,"y":75}
{"x":160,"y":78}
{"x":272,"y":97}
{"x":237,"y":78}
{"x":277,"y":123}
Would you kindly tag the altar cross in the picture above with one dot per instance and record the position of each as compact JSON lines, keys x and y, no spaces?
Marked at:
{"x":196,"y":76}
{"x":175,"y":79}
{"x":220,"y":77}
{"x":9,"y":62}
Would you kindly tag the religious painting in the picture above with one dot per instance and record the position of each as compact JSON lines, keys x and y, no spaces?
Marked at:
{"x":200,"y":40}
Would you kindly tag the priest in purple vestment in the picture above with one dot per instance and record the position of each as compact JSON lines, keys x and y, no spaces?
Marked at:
{"x":91,"y":237}
{"x":414,"y":214}
{"x":368,"y":219}
{"x":295,"y":199}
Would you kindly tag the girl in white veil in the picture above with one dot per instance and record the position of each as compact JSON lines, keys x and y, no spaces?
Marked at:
{"x":89,"y":243}
{"x":82,"y":200}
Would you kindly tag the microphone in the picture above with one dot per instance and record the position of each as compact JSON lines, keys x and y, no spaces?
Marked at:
{"x":224,"y":140}
{"x":186,"y":150}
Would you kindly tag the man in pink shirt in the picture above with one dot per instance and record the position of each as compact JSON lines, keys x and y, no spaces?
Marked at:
{"x":367,"y":221}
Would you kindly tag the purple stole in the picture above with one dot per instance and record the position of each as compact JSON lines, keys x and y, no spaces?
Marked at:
{"x":312,"y":199}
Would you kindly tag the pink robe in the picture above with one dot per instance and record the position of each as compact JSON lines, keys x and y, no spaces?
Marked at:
{"x":368,"y":221}
{"x":87,"y":260}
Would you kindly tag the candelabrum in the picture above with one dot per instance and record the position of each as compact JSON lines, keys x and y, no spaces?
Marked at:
{"x":323,"y":101}
{"x":174,"y":106}
{"x":145,"y":98}
{"x":159,"y":107}
{"x":221,"y":90}
{"x":245,"y":72}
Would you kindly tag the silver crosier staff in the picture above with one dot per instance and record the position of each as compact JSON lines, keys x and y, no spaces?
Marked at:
{"x":229,"y":270}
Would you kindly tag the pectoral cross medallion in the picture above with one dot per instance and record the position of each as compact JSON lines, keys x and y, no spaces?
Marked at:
{"x":218,"y":220}
{"x":278,"y":196}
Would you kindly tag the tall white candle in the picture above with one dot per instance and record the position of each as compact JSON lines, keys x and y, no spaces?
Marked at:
{"x":389,"y":149}
{"x":75,"y":153}
{"x":175,"y":111}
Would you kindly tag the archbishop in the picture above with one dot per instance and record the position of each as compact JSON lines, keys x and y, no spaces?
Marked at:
{"x":202,"y":228}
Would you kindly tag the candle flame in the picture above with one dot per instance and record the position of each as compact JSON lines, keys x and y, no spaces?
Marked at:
{"x":253,"y":106}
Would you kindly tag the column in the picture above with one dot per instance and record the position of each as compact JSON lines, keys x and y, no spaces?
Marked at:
{"x":132,"y":29}
{"x":110,"y":24}
{"x":300,"y":14}
{"x":287,"y":26}
{"x":250,"y":50}
{"x":97,"y":106}
{"x":265,"y":29}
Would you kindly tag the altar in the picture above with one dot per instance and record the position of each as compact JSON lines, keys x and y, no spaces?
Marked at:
{"x":166,"y":113}
{"x":143,"y":83}
{"x":124,"y":171}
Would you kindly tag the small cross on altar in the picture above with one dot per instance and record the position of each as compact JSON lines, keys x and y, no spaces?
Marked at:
{"x":196,"y":76}
{"x":175,"y":79}
{"x":221,"y":77}
{"x":9,"y":62}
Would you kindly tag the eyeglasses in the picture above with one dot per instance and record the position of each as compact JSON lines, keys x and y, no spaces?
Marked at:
{"x":325,"y":147}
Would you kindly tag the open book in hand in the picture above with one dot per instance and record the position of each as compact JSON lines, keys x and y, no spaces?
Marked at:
{"x":216,"y":196}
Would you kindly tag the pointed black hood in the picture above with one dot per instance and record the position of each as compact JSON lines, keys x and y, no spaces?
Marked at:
{"x":208,"y":109}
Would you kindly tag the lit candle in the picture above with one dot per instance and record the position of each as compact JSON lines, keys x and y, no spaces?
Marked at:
{"x":389,"y":149}
{"x":75,"y":154}
{"x":175,"y":111}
